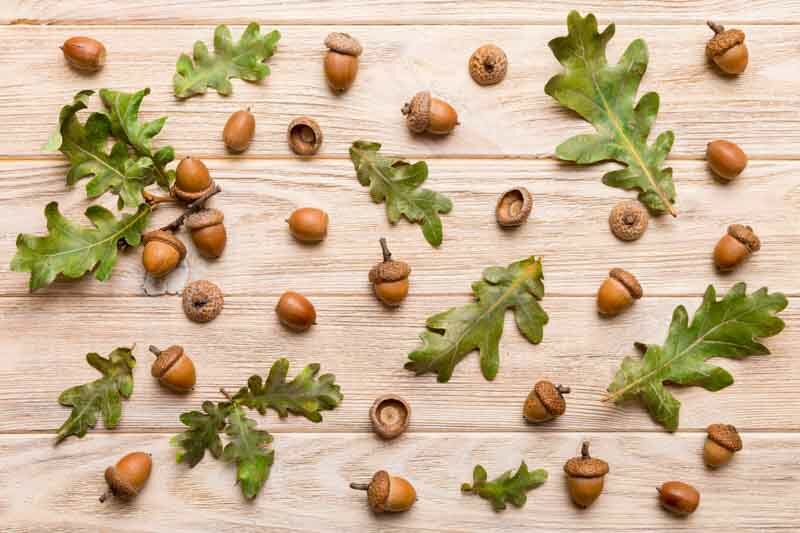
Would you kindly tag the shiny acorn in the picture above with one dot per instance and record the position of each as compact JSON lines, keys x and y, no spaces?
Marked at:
{"x":735,"y":246}
{"x":727,"y":49}
{"x":208,"y":232}
{"x":585,"y":477}
{"x":84,"y":53}
{"x":679,"y":498}
{"x":424,"y":113}
{"x":389,"y":278}
{"x":722,"y":441}
{"x":308,"y":224}
{"x":163,"y":252}
{"x":239,"y":131}
{"x":387,"y":493}
{"x":295,"y":311}
{"x":341,"y":60}
{"x":192,"y":180}
{"x":127,"y":478}
{"x":618,"y":292}
{"x":545,"y":402}
{"x":173,"y":368}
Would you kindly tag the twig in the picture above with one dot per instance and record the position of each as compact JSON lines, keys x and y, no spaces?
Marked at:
{"x":193,"y":207}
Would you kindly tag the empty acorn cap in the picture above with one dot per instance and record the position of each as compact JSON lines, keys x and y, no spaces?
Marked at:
{"x":119,"y":487}
{"x":164,"y":360}
{"x":629,"y":280}
{"x":514,"y":207}
{"x":586,"y":466}
{"x":166,"y":237}
{"x":723,"y":41}
{"x":204,"y":218}
{"x":726,"y":436}
{"x":551,"y":397}
{"x":304,"y":136}
{"x":389,"y":271}
{"x":343,"y":43}
{"x":418,"y":112}
{"x":390,"y":415}
{"x":745,"y":235}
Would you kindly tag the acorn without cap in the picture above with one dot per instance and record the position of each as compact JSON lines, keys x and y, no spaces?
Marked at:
{"x":389,"y":278}
{"x":173,"y":368}
{"x":585,"y":477}
{"x":163,"y":252}
{"x":126,"y":478}
{"x":387,"y":493}
{"x":545,"y":402}
{"x":618,"y":292}
{"x":735,"y":246}
{"x":722,"y":442}
{"x":426,"y":113}
{"x":341,"y":60}
{"x":727,"y":49}
{"x":208,"y":232}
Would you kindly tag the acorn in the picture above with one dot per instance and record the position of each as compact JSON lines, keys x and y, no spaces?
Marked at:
{"x":173,"y":368}
{"x":305,"y":136}
{"x":239,"y":130}
{"x":389,"y":278}
{"x":295,"y":311}
{"x":341,"y":60}
{"x":192,"y":180}
{"x":735,"y":246}
{"x":308,"y":224}
{"x":84,"y":53}
{"x":513,"y":207}
{"x":618,"y":292}
{"x":585,"y":477}
{"x":163,"y":252}
{"x":726,"y":159}
{"x":545,"y":402}
{"x":208,"y":232}
{"x":387,"y":493}
{"x":390,"y":415}
{"x":628,"y":220}
{"x":722,"y":442}
{"x":678,"y":497}
{"x":426,"y":113}
{"x":727,"y":49}
{"x":126,"y":478}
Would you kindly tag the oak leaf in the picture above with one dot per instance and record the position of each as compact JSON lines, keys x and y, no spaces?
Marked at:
{"x":507,"y":488}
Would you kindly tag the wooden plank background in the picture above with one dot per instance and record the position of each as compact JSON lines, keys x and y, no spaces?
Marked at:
{"x":507,"y":137}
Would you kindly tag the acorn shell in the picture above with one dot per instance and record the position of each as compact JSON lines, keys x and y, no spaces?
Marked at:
{"x":166,"y":237}
{"x":418,"y":112}
{"x":726,"y":436}
{"x":628,"y":280}
{"x":745,"y":235}
{"x":204,"y":218}
{"x":344,"y":43}
{"x":550,"y":397}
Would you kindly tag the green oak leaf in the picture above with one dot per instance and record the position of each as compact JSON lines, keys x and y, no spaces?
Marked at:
{"x":304,"y":395}
{"x":506,"y":488}
{"x":203,"y":433}
{"x":123,"y":110}
{"x":85,"y":146}
{"x":720,"y":328}
{"x":248,"y":450}
{"x":103,"y":395}
{"x":397,"y":182}
{"x":243,"y":60}
{"x":73,"y":250}
{"x":451,"y":335}
{"x":604,"y":95}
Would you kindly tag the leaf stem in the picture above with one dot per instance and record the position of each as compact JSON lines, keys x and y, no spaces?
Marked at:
{"x":226,"y":394}
{"x":193,"y":207}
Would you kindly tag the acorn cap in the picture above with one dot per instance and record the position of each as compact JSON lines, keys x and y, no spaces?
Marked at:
{"x":745,"y":235}
{"x":378,"y":490}
{"x":628,"y":220}
{"x":202,"y":301}
{"x":343,"y":43}
{"x":390,"y":415}
{"x":204,"y":218}
{"x":502,"y":210}
{"x":166,"y":237}
{"x":165,"y":360}
{"x":551,"y":397}
{"x":119,"y":487}
{"x":418,"y":112}
{"x":389,"y":271}
{"x":724,"y":41}
{"x":190,"y":197}
{"x":488,"y":65}
{"x":297,"y":135}
{"x":629,"y":280}
{"x":726,"y":436}
{"x":586,"y":467}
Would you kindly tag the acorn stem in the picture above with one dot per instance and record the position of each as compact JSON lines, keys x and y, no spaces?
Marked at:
{"x":359,"y":486}
{"x":193,"y":207}
{"x":563,"y":389}
{"x":155,"y":351}
{"x":406,"y":108}
{"x":718,"y":28}
{"x":387,"y":255}
{"x":585,"y":450}
{"x":106,"y":495}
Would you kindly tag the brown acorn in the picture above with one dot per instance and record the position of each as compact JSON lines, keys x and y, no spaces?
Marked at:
{"x":585,"y":477}
{"x":173,"y":368}
{"x":295,"y":311}
{"x":308,"y":224}
{"x":127,"y":478}
{"x":163,"y":252}
{"x":192,"y":180}
{"x":678,"y":497}
{"x":722,"y":441}
{"x":84,"y":53}
{"x":426,"y":113}
{"x":387,"y":493}
{"x":545,"y":402}
{"x":239,"y":130}
{"x":735,"y":246}
{"x":727,"y":49}
{"x":618,"y":292}
{"x":305,"y":136}
{"x":208,"y":232}
{"x":389,"y":278}
{"x":390,"y":415}
{"x":726,"y":159}
{"x":341,"y":60}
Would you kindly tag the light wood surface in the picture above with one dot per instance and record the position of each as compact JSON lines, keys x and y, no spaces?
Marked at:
{"x":506,"y":139}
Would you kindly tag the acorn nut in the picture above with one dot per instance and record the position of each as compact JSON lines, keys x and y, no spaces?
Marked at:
{"x":628,"y":220}
{"x":618,"y":292}
{"x":162,"y":253}
{"x":545,"y":402}
{"x":390,"y":415}
{"x":341,"y":60}
{"x":678,"y":497}
{"x":387,"y":493}
{"x":308,"y":224}
{"x":426,"y":113}
{"x":127,"y":478}
{"x":488,"y":65}
{"x":513,"y":207}
{"x":173,"y":368}
{"x":208,"y":232}
{"x":735,"y":246}
{"x":192,"y":180}
{"x":295,"y":311}
{"x":727,"y":49}
{"x":202,"y":301}
{"x":721,"y":443}
{"x":84,"y":53}
{"x":726,"y":159}
{"x":239,"y":130}
{"x":305,"y":136}
{"x":585,"y":477}
{"x":389,"y":278}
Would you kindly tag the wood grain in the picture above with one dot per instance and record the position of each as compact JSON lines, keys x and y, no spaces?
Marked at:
{"x":759,"y":110}
{"x":307,"y":489}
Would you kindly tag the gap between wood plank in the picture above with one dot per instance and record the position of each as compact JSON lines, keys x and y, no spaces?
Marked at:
{"x":66,"y":23}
